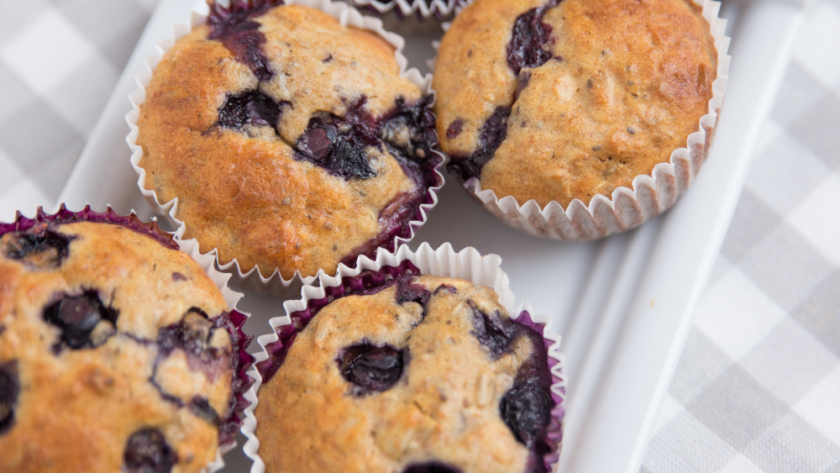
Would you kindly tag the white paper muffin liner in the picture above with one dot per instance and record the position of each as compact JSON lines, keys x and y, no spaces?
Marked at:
{"x":252,"y":278}
{"x":627,"y":208}
{"x":410,"y":16}
{"x":407,"y":8}
{"x":467,"y":264}
{"x":133,"y":222}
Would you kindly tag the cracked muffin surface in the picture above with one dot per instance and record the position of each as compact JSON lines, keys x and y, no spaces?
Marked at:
{"x":290,"y":142}
{"x":566,"y":99}
{"x":115,"y":352}
{"x":422,"y":374}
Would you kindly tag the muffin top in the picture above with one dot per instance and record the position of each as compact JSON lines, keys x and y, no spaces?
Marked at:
{"x":422,"y":374}
{"x":115,"y":353}
{"x":290,"y":142}
{"x":556,"y":101}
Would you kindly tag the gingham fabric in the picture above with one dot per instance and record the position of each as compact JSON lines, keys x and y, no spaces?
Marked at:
{"x":758,"y":387}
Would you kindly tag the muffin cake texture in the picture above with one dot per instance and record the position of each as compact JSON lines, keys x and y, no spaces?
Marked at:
{"x":290,"y":141}
{"x":117,"y":351}
{"x":411,"y":375}
{"x":563,"y":100}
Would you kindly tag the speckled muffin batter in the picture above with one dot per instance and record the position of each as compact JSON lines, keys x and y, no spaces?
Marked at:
{"x":117,"y":352}
{"x":290,"y":142}
{"x":422,"y":374}
{"x":563,"y":100}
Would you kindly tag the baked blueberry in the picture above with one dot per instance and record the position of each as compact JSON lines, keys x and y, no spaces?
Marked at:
{"x":44,"y":249}
{"x":370,"y":368}
{"x":415,"y":374}
{"x":290,"y":141}
{"x":141,"y":363}
{"x":9,"y":391}
{"x":148,"y":452}
{"x":431,"y":468}
{"x":580,"y":74}
{"x":78,"y":316}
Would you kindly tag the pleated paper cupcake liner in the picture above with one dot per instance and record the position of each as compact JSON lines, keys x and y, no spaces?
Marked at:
{"x":468,"y":264}
{"x":410,"y":16}
{"x":252,"y":278}
{"x":625,"y":208}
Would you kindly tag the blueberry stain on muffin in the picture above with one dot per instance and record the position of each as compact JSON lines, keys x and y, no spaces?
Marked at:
{"x":9,"y":392}
{"x":234,"y":27}
{"x":526,"y":409}
{"x":409,"y":292}
{"x":432,"y":467}
{"x":191,"y":334}
{"x":528,"y":48}
{"x":372,"y":369}
{"x":530,"y":39}
{"x":45,"y":249}
{"x":455,"y":128}
{"x":490,"y":137}
{"x":147,"y":452}
{"x":78,"y":317}
{"x":201,"y":407}
{"x":250,"y":108}
{"x":205,"y":341}
{"x":492,"y":331}
{"x":338,"y":146}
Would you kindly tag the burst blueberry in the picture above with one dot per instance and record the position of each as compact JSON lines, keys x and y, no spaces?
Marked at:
{"x":77,"y":316}
{"x":148,"y":452}
{"x":432,"y":467}
{"x":370,"y":368}
{"x":49,"y":248}
{"x":9,"y":392}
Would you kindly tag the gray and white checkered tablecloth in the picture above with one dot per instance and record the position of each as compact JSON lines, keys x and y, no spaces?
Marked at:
{"x":758,"y":387}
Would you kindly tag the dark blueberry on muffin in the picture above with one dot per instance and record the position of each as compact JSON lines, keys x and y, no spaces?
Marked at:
{"x":119,"y":330}
{"x":414,"y":374}
{"x":78,"y":316}
{"x":431,"y":468}
{"x":595,"y":93}
{"x":148,"y":452}
{"x":290,"y":142}
{"x":47,"y":249}
{"x":9,"y":390}
{"x":371,"y":368}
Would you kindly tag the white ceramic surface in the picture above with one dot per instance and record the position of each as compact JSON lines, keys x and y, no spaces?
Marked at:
{"x":623,"y":304}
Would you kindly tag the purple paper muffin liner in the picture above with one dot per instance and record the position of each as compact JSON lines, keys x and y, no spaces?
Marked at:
{"x":231,"y":320}
{"x":389,"y":238}
{"x":370,"y":276}
{"x":42,"y":221}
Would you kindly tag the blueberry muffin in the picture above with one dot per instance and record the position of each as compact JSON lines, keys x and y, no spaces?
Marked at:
{"x":564,"y":100}
{"x":419,"y":374}
{"x":290,"y":142}
{"x":117,"y":351}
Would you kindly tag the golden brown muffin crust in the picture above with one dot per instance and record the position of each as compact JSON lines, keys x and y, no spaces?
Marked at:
{"x":242,"y":190}
{"x":444,"y":409}
{"x":77,"y":408}
{"x":626,"y":83}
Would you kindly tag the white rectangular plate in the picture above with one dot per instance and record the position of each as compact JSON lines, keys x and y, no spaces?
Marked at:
{"x":624,"y":304}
